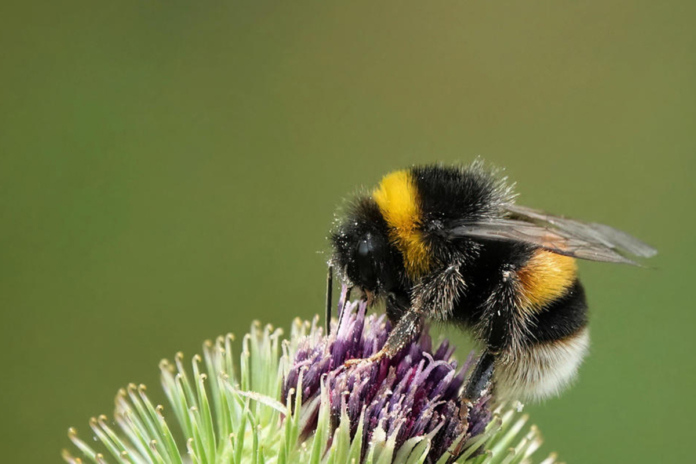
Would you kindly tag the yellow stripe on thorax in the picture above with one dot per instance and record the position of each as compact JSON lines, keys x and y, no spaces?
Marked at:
{"x":397,"y":199}
{"x":545,"y":278}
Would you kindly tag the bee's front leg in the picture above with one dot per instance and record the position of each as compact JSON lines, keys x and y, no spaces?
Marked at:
{"x":406,"y":329}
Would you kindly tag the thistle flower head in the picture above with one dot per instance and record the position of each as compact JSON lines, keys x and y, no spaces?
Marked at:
{"x":413,"y":395}
{"x":290,"y":401}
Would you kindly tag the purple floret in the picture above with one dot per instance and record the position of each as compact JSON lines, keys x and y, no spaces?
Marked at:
{"x":414,"y":393}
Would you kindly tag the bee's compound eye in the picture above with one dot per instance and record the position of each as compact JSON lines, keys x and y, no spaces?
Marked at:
{"x":364,"y":249}
{"x":364,"y":259}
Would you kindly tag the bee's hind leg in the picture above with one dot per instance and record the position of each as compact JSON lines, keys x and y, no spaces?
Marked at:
{"x":406,"y":329}
{"x":479,"y":382}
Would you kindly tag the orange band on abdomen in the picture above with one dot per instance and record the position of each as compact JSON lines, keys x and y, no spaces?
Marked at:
{"x":545,"y":278}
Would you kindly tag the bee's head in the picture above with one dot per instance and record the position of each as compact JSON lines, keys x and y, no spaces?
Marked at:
{"x":363,"y":253}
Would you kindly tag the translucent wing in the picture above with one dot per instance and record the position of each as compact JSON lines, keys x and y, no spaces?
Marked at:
{"x":592,"y":241}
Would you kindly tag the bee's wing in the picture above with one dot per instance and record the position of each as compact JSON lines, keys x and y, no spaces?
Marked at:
{"x":599,"y":233}
{"x":569,"y":237}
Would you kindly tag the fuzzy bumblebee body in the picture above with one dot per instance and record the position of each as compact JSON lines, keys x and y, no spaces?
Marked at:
{"x":449,"y":244}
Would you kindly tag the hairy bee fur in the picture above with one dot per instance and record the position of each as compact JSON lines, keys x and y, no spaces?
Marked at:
{"x":427,"y":241}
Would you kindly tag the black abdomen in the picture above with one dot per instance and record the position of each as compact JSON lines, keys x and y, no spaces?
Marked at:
{"x":562,"y":318}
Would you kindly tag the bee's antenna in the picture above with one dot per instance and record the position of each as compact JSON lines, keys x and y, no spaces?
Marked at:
{"x":329,"y":297}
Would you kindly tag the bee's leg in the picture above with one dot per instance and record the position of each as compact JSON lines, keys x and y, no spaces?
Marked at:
{"x":329,"y":297}
{"x":406,"y":329}
{"x":479,"y":382}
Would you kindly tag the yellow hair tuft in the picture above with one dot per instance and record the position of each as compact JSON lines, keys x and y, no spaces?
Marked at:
{"x":397,"y":199}
{"x":545,"y":278}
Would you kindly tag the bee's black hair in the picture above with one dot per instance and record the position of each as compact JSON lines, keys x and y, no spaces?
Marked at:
{"x":563,"y":317}
{"x":365,"y":219}
{"x":449,"y":193}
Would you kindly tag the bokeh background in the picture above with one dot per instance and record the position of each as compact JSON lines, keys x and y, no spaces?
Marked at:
{"x":169,"y":171}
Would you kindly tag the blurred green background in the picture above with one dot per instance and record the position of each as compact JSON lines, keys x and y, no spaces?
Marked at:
{"x":169,"y":171}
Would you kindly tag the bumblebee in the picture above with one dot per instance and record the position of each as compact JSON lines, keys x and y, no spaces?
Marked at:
{"x":449,"y":244}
